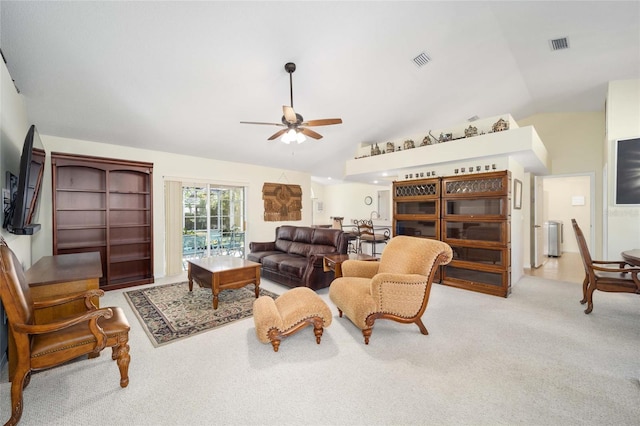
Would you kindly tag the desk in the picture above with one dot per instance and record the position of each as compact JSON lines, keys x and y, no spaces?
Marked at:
{"x":333,"y":262}
{"x":632,"y":256}
{"x":54,"y":276}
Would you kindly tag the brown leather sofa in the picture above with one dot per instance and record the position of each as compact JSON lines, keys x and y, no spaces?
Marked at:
{"x":295,"y":257}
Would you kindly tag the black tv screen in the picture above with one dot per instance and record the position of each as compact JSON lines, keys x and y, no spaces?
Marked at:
{"x":29,"y":184}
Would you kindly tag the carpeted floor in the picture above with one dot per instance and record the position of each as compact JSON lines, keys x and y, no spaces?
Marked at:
{"x":533,"y":358}
{"x":171,"y":312}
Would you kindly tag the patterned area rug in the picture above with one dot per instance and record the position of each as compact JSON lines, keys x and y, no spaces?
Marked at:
{"x":171,"y":312}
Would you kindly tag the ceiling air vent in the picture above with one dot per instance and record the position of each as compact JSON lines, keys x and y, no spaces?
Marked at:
{"x":474,"y":118}
{"x":421,"y":60}
{"x":559,"y":43}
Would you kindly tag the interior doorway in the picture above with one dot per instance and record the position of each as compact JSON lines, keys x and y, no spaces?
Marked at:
{"x":560,"y":198}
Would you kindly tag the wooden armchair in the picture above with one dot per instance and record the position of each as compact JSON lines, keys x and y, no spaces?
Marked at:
{"x":604,"y":275}
{"x":40,"y":346}
{"x":396,"y":288}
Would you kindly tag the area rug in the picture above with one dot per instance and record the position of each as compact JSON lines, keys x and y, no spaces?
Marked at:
{"x":171,"y":312}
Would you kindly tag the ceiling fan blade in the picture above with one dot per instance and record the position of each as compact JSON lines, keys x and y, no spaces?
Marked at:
{"x":259,"y":122}
{"x":310,"y":133}
{"x":323,"y":122}
{"x":277,"y":134}
{"x":289,"y":114}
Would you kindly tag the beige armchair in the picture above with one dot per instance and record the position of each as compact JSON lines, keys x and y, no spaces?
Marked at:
{"x":396,"y":288}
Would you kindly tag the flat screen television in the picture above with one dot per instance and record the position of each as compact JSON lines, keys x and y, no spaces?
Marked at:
{"x":25,"y":205}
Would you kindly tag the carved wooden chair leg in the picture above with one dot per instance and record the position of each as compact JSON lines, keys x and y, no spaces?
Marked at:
{"x":19,"y":379}
{"x":585,"y":285}
{"x":27,"y":380}
{"x":589,"y":300}
{"x":276,"y":344}
{"x":421,"y":326}
{"x":123,"y":360}
{"x":318,"y":328}
{"x":367,"y":333}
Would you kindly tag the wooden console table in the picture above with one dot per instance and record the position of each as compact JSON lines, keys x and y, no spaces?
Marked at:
{"x":54,"y":276}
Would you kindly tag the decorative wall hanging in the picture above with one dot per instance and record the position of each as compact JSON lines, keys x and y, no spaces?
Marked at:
{"x":282,"y":202}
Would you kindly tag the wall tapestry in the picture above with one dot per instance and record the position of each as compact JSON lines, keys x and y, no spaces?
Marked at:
{"x":282,"y":202}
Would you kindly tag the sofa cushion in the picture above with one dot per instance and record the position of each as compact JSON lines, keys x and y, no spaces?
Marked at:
{"x":327,"y":237}
{"x":258,"y":256}
{"x":301,"y":249}
{"x":303,"y":235}
{"x":286,"y":232}
{"x":273,"y":261}
{"x":283,"y":245}
{"x":293,"y":265}
{"x":318,"y":249}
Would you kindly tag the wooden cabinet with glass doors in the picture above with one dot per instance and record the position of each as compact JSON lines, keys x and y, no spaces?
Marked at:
{"x":475,"y":222}
{"x":416,"y":208}
{"x":105,"y":205}
{"x":471,"y":213}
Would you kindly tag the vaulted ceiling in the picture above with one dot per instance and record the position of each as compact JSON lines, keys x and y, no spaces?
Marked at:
{"x":180,"y":76}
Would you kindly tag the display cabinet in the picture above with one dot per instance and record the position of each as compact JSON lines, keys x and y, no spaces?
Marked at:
{"x":105,"y":205}
{"x":475,"y":222}
{"x":416,"y":208}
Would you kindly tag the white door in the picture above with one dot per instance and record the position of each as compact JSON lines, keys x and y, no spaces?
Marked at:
{"x":537,"y":235}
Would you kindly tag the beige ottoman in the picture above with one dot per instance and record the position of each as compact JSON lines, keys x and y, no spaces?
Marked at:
{"x":290,"y":312}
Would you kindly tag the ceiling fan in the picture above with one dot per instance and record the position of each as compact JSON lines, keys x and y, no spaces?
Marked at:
{"x":294,"y":125}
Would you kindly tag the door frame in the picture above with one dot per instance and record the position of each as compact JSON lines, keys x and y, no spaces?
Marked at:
{"x":592,"y":207}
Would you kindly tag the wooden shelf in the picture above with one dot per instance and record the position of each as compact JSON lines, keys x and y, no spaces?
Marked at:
{"x":104,"y":205}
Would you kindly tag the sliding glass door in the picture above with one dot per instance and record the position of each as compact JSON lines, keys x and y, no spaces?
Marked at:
{"x":213,"y":220}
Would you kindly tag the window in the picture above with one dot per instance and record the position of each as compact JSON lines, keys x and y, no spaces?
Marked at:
{"x":213,"y":221}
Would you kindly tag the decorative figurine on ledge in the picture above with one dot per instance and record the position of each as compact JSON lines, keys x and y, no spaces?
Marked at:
{"x":426,"y":141}
{"x":470,"y":131}
{"x":408,"y":144}
{"x":500,"y":125}
{"x":391,"y":147}
{"x":376,"y":150}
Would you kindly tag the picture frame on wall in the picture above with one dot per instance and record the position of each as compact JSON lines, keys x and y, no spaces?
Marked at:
{"x":627,"y":172}
{"x":517,"y":194}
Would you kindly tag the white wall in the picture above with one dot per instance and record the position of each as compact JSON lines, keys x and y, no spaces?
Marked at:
{"x":185,"y":167}
{"x":623,"y":122}
{"x":574,"y":141}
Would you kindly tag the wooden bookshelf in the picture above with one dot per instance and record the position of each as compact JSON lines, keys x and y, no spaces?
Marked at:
{"x":105,"y":205}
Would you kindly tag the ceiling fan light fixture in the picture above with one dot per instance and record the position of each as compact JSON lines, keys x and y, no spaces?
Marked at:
{"x":292,"y":136}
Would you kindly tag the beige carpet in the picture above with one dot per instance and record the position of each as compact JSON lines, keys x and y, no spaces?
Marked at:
{"x":532,"y":359}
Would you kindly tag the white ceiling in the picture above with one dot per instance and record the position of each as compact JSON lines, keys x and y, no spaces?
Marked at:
{"x":180,"y":76}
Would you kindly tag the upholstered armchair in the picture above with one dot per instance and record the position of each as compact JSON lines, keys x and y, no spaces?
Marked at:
{"x":40,"y":346}
{"x":396,"y":288}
